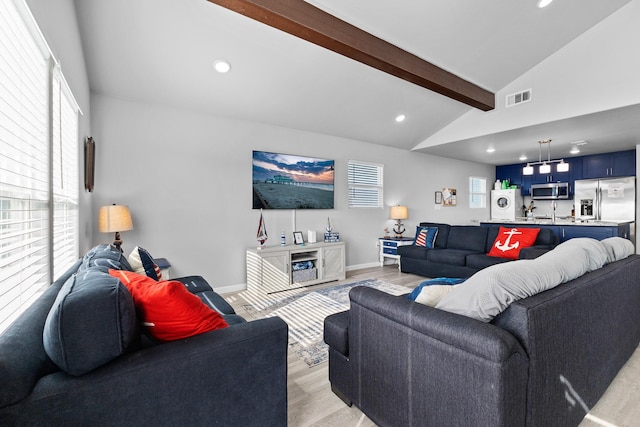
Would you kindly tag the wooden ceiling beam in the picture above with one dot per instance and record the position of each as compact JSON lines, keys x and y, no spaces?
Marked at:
{"x":307,"y":22}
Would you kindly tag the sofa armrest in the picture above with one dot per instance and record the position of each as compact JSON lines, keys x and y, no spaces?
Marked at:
{"x":231,"y":376}
{"x":417,"y":365}
{"x":533,"y":252}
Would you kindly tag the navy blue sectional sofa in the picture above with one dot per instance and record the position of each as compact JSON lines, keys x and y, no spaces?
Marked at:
{"x":544,"y":361}
{"x":236,"y":376}
{"x":461,"y":250}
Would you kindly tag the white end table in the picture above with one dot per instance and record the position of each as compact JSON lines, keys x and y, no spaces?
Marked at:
{"x":389,"y":248}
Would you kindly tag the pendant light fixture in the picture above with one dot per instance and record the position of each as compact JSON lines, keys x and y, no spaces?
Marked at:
{"x":545,"y":165}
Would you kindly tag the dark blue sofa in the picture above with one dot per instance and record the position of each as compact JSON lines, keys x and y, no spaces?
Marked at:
{"x":236,"y":376}
{"x":543,"y":362}
{"x":461,"y":250}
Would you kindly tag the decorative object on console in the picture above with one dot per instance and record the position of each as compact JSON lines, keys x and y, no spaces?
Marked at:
{"x":328,"y":225}
{"x":262,"y":232}
{"x":114,"y":219}
{"x":311,"y":236}
{"x":330,"y":236}
{"x":399,"y":213}
{"x":297,"y":238}
{"x":545,"y":166}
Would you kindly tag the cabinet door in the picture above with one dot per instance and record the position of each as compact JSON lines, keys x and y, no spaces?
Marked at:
{"x":333,"y":262}
{"x":512,"y":173}
{"x":596,"y":166}
{"x":275,"y":272}
{"x":597,"y":233}
{"x":623,"y":163}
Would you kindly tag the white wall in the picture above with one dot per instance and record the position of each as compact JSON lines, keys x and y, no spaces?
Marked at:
{"x":58,"y":23}
{"x":187,"y":180}
{"x":595,"y":72}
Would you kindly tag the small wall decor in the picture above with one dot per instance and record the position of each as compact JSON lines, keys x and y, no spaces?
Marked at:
{"x":449,"y":196}
{"x":89,"y":163}
{"x":438,"y":197}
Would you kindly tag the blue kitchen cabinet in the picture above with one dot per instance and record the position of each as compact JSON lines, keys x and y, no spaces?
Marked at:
{"x":512,"y":173}
{"x":620,"y":163}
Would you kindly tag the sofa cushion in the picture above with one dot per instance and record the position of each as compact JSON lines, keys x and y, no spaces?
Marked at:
{"x":449,"y":256}
{"x":430,"y":292}
{"x":198,"y":286}
{"x":92,"y":321}
{"x":107,"y":256}
{"x":480,"y":261}
{"x":443,"y":233}
{"x":425,"y":236}
{"x":467,"y":237}
{"x":510,"y":241}
{"x":412,"y":251}
{"x":167,"y":309}
{"x":142,"y":262}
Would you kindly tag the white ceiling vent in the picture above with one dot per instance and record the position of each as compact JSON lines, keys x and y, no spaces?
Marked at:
{"x":518,"y":98}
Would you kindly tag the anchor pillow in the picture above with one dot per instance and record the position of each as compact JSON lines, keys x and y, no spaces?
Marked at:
{"x":511,"y":240}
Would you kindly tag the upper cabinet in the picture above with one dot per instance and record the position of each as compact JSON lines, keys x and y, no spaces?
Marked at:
{"x":621,"y":163}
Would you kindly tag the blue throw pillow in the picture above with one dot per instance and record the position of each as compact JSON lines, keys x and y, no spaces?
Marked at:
{"x":92,"y":321}
{"x":425,"y":236}
{"x":438,"y":281}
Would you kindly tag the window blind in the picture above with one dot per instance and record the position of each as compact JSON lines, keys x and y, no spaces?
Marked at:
{"x":26,"y":170}
{"x":477,"y":192}
{"x":365,"y":184}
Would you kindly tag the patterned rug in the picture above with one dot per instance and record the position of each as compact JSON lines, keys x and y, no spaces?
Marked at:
{"x":305,"y":312}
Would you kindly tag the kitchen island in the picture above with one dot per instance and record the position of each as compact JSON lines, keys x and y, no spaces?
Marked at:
{"x":567,"y":228}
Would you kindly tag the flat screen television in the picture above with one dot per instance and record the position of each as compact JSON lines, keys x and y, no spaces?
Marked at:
{"x":287,"y":181}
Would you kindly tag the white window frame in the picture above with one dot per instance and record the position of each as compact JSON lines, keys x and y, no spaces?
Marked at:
{"x":477,"y":192}
{"x":366,"y":184}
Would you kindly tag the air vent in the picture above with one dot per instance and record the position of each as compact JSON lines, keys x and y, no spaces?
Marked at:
{"x":518,"y":98}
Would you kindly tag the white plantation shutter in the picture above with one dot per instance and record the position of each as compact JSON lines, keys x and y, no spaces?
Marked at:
{"x":26,"y":142}
{"x":477,"y":192}
{"x":365,"y":184}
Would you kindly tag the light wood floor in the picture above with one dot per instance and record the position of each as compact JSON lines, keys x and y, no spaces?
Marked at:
{"x":311,"y":402}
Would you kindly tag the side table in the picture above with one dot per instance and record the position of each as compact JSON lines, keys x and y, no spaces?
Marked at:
{"x":389,"y":247}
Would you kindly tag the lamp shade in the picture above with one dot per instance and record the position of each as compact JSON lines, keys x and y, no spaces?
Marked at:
{"x":399,"y":212}
{"x":114,"y":218}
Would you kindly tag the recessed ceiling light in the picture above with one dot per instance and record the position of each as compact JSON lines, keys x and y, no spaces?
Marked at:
{"x":490,"y":150}
{"x":522,"y":158}
{"x":574,"y":150}
{"x":400,"y":118}
{"x":222,"y":66}
{"x":544,"y":3}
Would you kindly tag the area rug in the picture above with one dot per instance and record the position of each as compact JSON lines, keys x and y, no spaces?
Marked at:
{"x":305,"y":313}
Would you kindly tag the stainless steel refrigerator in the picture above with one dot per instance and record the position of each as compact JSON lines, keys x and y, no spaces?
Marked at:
{"x":610,"y":199}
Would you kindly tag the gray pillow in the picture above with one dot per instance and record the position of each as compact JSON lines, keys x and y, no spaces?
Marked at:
{"x":617,"y":248}
{"x":489,"y":291}
{"x":92,"y":321}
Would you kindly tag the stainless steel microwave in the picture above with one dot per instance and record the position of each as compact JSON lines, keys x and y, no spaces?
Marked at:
{"x":550,"y":191}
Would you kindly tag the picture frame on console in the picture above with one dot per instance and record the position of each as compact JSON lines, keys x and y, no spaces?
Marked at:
{"x":298,"y":239}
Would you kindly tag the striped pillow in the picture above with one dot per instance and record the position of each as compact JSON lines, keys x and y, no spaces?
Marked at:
{"x":425,"y":236}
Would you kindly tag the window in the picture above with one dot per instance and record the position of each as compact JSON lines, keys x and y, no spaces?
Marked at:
{"x":38,"y":164}
{"x":477,"y":192}
{"x":365,"y":185}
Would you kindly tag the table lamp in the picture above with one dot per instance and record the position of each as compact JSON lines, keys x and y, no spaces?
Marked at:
{"x":399,"y":213}
{"x":115,"y":218}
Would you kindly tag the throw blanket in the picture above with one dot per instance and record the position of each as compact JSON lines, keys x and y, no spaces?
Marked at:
{"x":489,"y":291}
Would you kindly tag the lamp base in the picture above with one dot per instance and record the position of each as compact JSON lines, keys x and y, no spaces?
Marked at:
{"x":398,"y":229}
{"x":117,"y":241}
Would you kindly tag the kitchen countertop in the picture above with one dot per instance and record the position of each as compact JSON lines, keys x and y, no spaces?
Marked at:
{"x":558,"y":221}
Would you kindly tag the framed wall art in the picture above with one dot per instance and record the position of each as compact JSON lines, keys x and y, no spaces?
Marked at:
{"x":449,"y":197}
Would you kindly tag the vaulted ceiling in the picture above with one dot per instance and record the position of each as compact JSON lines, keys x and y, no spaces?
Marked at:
{"x":162,"y":51}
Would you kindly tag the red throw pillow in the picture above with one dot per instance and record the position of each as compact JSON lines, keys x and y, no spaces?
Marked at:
{"x":168,"y":310}
{"x":510,"y":240}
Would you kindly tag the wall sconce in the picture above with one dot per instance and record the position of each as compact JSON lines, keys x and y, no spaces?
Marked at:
{"x":399,"y":213}
{"x":115,"y":218}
